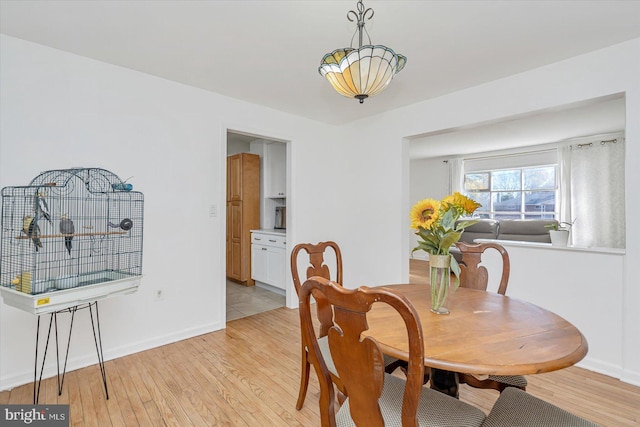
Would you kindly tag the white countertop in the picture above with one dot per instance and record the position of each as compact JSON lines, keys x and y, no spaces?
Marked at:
{"x":273,"y":231}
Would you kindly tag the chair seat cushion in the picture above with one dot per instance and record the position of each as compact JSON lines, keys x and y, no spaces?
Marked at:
{"x":323,"y":343}
{"x":515,"y":407}
{"x":514,"y":380}
{"x":435,"y":409}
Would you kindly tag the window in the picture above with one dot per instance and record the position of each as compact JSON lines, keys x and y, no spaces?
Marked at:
{"x":518,"y":193}
{"x":561,"y":181}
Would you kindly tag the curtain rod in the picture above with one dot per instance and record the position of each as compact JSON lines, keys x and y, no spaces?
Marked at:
{"x":545,"y":150}
{"x":522,"y":153}
{"x":590,"y":144}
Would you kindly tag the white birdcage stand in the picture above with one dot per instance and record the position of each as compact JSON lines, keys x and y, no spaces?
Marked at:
{"x":69,"y":238}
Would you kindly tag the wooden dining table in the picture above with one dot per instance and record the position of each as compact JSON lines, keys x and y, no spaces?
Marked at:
{"x":485,"y":334}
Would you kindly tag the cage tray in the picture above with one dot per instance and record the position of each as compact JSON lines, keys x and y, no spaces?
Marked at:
{"x":91,"y":287}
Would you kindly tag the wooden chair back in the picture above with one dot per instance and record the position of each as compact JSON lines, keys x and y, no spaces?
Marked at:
{"x":317,"y":264}
{"x":475,"y":276}
{"x":359,"y":362}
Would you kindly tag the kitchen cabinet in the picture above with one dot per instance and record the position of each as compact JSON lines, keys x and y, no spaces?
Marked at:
{"x":275,"y":170}
{"x":234,"y":177}
{"x":243,"y":213}
{"x":268,"y":260}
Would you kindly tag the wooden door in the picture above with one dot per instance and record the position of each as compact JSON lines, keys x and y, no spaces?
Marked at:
{"x":234,"y":177}
{"x":234,"y":241}
{"x":243,"y":213}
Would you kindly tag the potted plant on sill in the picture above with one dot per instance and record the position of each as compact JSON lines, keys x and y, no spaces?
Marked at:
{"x":559,"y":232}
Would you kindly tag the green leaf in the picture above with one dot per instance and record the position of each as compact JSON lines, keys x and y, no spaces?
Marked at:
{"x":449,"y":239}
{"x":466,"y":223}
{"x":424,"y":246}
{"x":424,"y":233}
{"x":433,"y":239}
{"x":455,"y":269}
{"x":448,"y":220}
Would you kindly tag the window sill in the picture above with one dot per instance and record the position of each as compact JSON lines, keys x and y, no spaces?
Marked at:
{"x":537,"y":245}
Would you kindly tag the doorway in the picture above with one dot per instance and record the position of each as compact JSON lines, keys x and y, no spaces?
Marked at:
{"x":269,"y":291}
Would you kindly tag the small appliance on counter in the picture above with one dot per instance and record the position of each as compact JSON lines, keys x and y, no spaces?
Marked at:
{"x":281,"y":218}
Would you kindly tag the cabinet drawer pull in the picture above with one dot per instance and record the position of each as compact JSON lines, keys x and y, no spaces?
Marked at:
{"x":264,"y":249}
{"x":257,"y":238}
{"x":273,"y":241}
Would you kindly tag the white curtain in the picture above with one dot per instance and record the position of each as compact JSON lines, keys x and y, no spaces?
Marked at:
{"x":456,"y":175}
{"x":564,"y":208}
{"x":593,"y":174}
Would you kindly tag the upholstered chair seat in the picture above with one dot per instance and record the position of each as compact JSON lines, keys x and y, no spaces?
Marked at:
{"x":434,"y":408}
{"x":514,"y":407}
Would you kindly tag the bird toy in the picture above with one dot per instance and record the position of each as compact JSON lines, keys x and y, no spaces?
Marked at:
{"x":32,"y":230}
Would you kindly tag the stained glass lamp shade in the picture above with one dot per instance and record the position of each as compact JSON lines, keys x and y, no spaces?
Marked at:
{"x":362,"y":72}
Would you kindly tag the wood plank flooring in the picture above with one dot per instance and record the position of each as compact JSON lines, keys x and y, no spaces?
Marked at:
{"x":248,"y":375}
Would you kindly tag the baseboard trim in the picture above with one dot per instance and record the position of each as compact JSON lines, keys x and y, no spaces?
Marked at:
{"x":631,"y":377}
{"x":25,"y":377}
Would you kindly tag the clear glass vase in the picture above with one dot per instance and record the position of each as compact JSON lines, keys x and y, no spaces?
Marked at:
{"x":441,"y":286}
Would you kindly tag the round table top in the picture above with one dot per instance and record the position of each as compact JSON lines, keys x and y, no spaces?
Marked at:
{"x":485,"y":333}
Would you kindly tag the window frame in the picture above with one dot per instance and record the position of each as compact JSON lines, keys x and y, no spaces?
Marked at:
{"x":522,"y":213}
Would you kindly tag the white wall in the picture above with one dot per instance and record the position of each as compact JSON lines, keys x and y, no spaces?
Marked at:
{"x":565,"y":281}
{"x":608,"y":71}
{"x":349,"y":184}
{"x":60,"y":110}
{"x":428,"y":179}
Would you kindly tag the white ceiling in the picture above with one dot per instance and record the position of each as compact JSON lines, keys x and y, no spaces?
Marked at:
{"x":268,"y":52}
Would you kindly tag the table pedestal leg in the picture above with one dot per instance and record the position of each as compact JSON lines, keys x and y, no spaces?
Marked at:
{"x":445,"y":382}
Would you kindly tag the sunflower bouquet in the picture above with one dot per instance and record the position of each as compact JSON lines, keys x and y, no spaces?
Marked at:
{"x":436,"y":224}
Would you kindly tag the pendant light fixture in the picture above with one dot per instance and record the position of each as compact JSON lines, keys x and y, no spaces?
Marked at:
{"x":365,"y":71}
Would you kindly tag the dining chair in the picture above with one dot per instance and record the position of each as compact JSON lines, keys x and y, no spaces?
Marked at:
{"x":317,"y":266}
{"x":374,"y":398}
{"x":475,"y":276}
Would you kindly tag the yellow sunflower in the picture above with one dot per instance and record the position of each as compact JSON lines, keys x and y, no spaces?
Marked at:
{"x":424,"y":213}
{"x":468,"y":205}
{"x":450,"y":200}
{"x":460,"y":203}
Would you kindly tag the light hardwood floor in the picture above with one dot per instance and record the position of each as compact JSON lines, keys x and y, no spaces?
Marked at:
{"x":248,"y":375}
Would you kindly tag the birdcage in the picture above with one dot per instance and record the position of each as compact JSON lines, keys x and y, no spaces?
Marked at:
{"x":70,"y":236}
